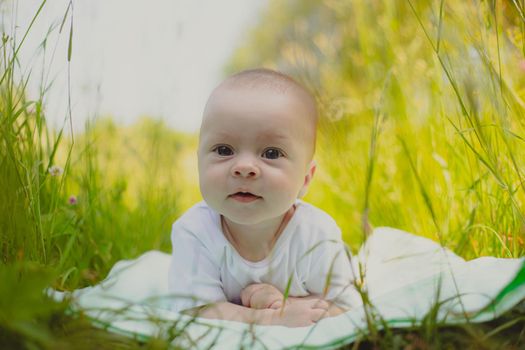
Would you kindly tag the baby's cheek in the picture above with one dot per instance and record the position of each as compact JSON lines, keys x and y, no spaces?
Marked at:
{"x":287,"y":187}
{"x":211,"y":180}
{"x":214,"y":173}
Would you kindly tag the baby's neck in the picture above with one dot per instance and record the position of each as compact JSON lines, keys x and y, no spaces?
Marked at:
{"x":254,"y":242}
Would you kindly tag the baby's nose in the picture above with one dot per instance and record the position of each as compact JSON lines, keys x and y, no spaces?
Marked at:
{"x":245,"y":168}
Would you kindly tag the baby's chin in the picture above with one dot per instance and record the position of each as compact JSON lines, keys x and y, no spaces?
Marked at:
{"x":250,"y":219}
{"x":244,"y":219}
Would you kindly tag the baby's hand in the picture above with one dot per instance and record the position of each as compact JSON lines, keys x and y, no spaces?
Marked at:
{"x":301,"y":313}
{"x":261,"y":296}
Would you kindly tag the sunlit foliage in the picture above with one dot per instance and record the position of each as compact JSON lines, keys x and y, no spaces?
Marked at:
{"x":423,"y":114}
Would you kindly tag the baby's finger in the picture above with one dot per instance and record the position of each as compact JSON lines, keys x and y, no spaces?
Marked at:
{"x":245,"y":297}
{"x":276,"y":304}
{"x":318,"y":314}
{"x":248,"y":292}
{"x":252,"y":288}
{"x":321,"y":304}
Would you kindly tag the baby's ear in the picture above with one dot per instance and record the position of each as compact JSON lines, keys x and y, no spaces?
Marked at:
{"x":308,"y":178}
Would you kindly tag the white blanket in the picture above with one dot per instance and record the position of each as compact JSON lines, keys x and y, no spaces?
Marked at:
{"x":405,"y":276}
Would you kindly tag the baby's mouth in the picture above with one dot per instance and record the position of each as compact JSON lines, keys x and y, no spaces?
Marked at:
{"x":244,"y":196}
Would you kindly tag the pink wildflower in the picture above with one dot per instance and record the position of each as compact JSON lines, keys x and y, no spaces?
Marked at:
{"x":72,"y":200}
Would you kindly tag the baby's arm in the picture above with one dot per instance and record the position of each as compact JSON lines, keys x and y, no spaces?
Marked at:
{"x":262,"y":296}
{"x":333,"y":308}
{"x":299,"y":314}
{"x":266,"y":296}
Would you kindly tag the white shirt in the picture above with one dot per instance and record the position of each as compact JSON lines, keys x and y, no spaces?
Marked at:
{"x":206,"y":268}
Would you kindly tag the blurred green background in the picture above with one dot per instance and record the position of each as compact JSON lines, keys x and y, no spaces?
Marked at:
{"x":422,"y":129}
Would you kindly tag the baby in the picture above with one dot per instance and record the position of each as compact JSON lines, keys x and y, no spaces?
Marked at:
{"x":252,"y":240}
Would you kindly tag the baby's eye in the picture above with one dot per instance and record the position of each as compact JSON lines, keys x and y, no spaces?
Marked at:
{"x":272,"y":153}
{"x":223,"y":150}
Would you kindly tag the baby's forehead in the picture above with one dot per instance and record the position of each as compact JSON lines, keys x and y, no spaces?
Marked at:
{"x":254,"y":132}
{"x":260,"y":109}
{"x":270,"y":92}
{"x":262,"y":97}
{"x":272,"y":85}
{"x":257,"y":99}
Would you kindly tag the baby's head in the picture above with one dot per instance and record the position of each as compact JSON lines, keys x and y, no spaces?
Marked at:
{"x":256,"y":145}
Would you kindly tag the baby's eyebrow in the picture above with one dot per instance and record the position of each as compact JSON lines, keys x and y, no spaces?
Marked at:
{"x":268,"y":138}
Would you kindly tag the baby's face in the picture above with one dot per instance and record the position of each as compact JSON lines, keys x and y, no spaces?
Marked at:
{"x":255,"y":151}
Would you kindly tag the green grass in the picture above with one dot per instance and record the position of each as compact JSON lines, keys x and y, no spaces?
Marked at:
{"x":424,"y":114}
{"x":423,"y":129}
